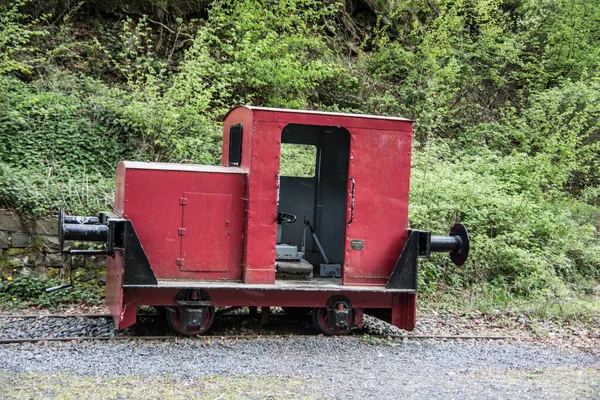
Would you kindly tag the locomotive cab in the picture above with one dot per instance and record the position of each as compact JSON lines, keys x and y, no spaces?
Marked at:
{"x":308,"y":210}
{"x":313,"y":183}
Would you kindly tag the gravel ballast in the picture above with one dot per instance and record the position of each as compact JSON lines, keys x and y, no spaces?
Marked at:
{"x":292,"y":366}
{"x":332,"y":367}
{"x":48,"y":327}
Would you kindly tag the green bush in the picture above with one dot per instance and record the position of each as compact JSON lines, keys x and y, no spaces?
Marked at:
{"x":39,"y":192}
{"x":59,"y":145}
{"x":523,"y":242}
{"x":17,"y":29}
{"x":558,"y":134}
{"x":29,"y":291}
{"x":268,"y":53}
{"x":56,"y":126}
{"x":60,"y":140}
{"x":505,"y":96}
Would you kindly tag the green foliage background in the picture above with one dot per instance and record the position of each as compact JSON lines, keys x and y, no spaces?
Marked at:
{"x":505,"y":94}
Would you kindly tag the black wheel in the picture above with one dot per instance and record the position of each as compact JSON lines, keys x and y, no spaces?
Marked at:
{"x":321,"y":321}
{"x":296,"y":312}
{"x":161,"y":311}
{"x":174,"y":321}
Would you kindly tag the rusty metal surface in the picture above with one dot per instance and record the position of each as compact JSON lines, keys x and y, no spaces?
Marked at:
{"x":401,"y":304}
{"x":229,"y":297}
{"x":114,"y":289}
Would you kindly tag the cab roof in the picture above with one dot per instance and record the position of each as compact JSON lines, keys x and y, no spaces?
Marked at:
{"x":322,"y":113}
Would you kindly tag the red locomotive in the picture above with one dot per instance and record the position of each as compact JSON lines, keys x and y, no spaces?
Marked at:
{"x":334,"y":240}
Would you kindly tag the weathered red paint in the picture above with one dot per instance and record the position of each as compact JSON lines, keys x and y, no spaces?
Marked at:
{"x":380,"y":153}
{"x":208,"y":203}
{"x":114,"y":289}
{"x":219,"y":223}
{"x":402,"y":304}
{"x":404,"y":310}
{"x":260,"y":298}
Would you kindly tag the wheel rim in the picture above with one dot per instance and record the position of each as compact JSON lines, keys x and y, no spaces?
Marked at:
{"x":174,"y":320}
{"x":321,"y":321}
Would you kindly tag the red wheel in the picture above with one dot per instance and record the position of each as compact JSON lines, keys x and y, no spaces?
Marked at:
{"x":175,"y":322}
{"x":321,"y":321}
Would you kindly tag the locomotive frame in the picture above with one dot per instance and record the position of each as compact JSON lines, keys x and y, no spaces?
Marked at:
{"x":192,"y":237}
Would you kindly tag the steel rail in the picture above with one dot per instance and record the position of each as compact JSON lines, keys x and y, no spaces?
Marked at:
{"x":31,"y":316}
{"x":67,"y":315}
{"x":212,"y":337}
{"x":246,"y":337}
{"x":35,"y":316}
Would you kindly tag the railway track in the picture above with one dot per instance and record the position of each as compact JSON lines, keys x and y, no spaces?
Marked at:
{"x":242,"y":337}
{"x":209,"y":337}
{"x":30,"y":316}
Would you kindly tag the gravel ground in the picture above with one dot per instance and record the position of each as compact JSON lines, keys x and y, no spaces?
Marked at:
{"x":16,"y":328}
{"x":567,"y":335}
{"x":293,"y":366}
{"x":313,"y":366}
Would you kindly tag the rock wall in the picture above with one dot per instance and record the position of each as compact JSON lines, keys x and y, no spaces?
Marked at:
{"x":31,"y":246}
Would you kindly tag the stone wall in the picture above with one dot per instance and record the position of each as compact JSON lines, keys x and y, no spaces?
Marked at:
{"x":32,"y":246}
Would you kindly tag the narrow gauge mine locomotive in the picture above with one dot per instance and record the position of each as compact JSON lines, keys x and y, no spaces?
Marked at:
{"x":334,"y":240}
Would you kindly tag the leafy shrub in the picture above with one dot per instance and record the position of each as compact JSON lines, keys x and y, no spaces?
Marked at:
{"x":57,"y":147}
{"x":559,"y":134}
{"x":523,"y":242}
{"x":42,"y":127}
{"x":165,"y":126}
{"x":17,"y":53}
{"x":60,"y":140}
{"x":505,"y":98}
{"x":29,"y":290}
{"x":268,"y":53}
{"x":39,"y":192}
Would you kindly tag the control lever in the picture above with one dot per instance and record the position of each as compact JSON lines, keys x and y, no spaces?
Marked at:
{"x":59,"y":287}
{"x":66,"y":285}
{"x":316,"y":239}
